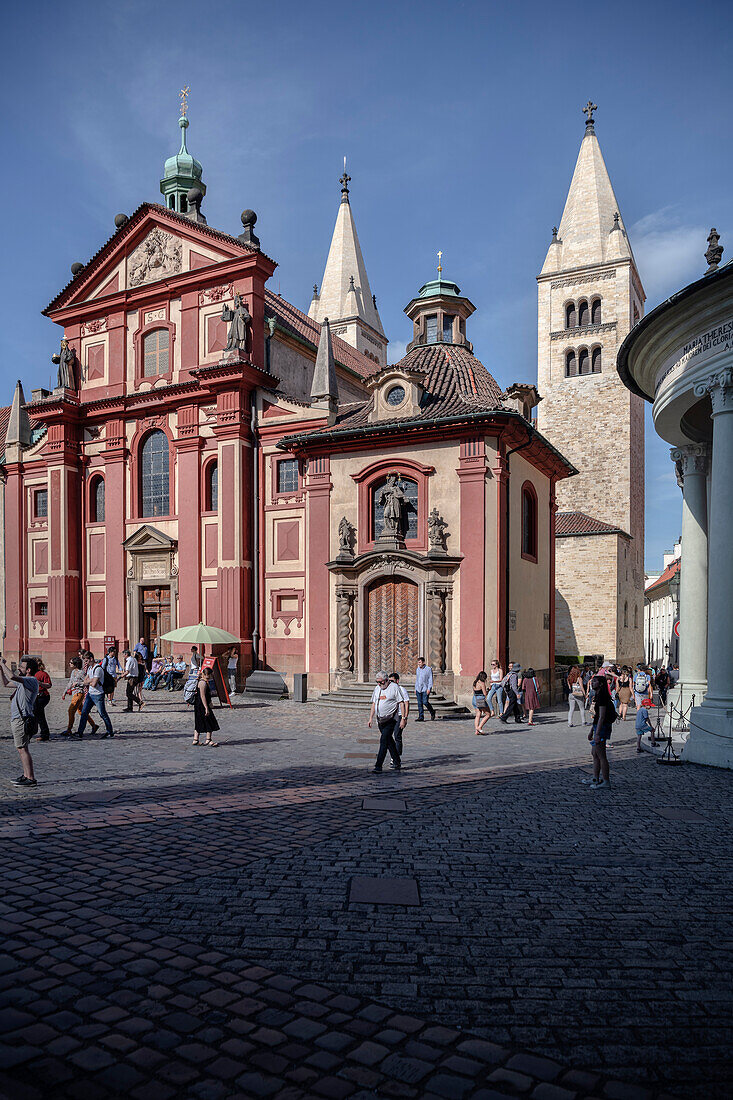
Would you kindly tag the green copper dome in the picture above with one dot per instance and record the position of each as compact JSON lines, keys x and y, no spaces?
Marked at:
{"x":440,"y":288}
{"x":181,"y":173}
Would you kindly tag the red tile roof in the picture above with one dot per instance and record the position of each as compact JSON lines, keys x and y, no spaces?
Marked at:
{"x":568,"y":524}
{"x":4,"y":421}
{"x":292,"y":319}
{"x":669,"y":572}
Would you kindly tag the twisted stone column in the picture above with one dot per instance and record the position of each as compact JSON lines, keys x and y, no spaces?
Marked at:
{"x":345,"y":629}
{"x":711,"y":725}
{"x":436,"y":628}
{"x":694,"y":461}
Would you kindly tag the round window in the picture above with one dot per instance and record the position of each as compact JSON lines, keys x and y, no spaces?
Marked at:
{"x":396,"y":395}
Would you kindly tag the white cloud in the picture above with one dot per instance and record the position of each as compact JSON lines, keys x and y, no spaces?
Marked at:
{"x":669,"y":253}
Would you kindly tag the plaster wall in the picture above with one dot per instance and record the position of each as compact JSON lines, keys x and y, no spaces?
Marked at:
{"x":529,"y":587}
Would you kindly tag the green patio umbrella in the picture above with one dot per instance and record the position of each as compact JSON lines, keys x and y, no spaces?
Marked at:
{"x":201,"y":635}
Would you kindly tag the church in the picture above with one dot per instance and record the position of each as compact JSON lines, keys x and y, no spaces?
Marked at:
{"x":211,"y":452}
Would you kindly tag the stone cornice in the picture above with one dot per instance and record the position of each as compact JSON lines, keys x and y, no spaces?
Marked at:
{"x":578,"y":333}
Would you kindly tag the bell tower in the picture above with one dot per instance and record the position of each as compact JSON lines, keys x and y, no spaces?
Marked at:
{"x":182,"y":172}
{"x":589,"y":297}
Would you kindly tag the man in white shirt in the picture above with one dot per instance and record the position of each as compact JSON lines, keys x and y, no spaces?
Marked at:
{"x":389,"y":710}
{"x":131,"y":676}
{"x":95,"y":698}
{"x":423,"y":687}
{"x":22,"y":707}
{"x":394,"y":678}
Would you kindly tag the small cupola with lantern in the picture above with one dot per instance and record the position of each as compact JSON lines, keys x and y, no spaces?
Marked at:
{"x":439,"y":313}
{"x":397,"y":393}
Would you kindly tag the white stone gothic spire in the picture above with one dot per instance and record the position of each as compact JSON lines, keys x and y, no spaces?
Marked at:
{"x":591,"y":230}
{"x":345,"y":296}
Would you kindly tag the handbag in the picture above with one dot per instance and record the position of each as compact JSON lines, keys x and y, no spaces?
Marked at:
{"x":30,"y":725}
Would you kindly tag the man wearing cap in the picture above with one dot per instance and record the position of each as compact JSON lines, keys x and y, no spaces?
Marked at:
{"x":512,"y":684}
{"x":390,"y":712}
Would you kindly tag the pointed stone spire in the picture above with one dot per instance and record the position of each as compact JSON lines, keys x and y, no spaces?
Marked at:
{"x":325,"y":387}
{"x":19,"y":425}
{"x":588,"y":218}
{"x":345,"y":296}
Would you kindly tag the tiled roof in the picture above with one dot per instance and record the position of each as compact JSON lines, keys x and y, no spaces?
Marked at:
{"x":4,"y":421}
{"x":669,"y":572}
{"x":291,"y":319}
{"x":455,"y":382}
{"x":135,"y":218}
{"x":578,"y":523}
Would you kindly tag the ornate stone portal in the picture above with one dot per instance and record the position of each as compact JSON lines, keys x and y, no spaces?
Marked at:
{"x":152,"y":558}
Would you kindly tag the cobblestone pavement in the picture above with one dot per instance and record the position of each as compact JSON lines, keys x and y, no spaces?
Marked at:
{"x":184,"y":922}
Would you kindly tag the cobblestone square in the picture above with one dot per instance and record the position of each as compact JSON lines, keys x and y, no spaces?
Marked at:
{"x":177,"y":922}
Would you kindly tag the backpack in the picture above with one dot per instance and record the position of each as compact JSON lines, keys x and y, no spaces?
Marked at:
{"x":108,"y":680}
{"x":641,"y":681}
{"x":189,"y":690}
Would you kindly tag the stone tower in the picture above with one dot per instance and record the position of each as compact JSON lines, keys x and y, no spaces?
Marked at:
{"x":590,"y":295}
{"x":345,"y":296}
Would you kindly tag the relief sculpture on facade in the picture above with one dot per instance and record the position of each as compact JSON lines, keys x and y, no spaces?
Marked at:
{"x":157,"y":257}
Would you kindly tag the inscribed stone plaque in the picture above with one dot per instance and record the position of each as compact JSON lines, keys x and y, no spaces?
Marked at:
{"x":365,"y":890}
{"x":153,"y":570}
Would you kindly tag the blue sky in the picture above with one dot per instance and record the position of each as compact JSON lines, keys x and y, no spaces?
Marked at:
{"x":461,"y":123}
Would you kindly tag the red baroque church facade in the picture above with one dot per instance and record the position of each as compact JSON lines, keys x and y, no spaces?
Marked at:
{"x":170,"y":478}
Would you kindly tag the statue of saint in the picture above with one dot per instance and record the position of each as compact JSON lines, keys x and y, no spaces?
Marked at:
{"x":436,"y":530}
{"x":346,"y":536}
{"x":392,"y":498}
{"x":66,"y":358}
{"x":240,"y":320}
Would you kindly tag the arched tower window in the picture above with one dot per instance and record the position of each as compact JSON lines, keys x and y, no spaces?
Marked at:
{"x":154,"y":475}
{"x":583,"y":361}
{"x":595,"y":311}
{"x":571,"y":315}
{"x":96,"y":500}
{"x":626,"y":612}
{"x":571,"y":365}
{"x":596,"y":361}
{"x":529,"y":521}
{"x":636,"y":616}
{"x":212,"y":487}
{"x":583,"y":313}
{"x":155,"y":352}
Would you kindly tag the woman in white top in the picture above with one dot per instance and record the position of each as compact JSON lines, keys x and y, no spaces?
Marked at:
{"x":496,"y":691}
{"x":232,"y":669}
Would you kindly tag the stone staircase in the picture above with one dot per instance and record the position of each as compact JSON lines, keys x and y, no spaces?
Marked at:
{"x":357,"y":697}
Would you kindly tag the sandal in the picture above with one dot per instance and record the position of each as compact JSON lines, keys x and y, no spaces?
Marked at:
{"x":195,"y":741}
{"x":213,"y":744}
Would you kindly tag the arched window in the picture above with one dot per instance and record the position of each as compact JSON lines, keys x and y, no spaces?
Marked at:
{"x":409,"y":512}
{"x":529,"y":522}
{"x":96,"y":500}
{"x":155,"y":352}
{"x":571,"y":365}
{"x":154,"y":479}
{"x":626,"y":612}
{"x":583,"y":313}
{"x":571,"y":315}
{"x":595,"y":311}
{"x":583,"y":361}
{"x":596,"y":361}
{"x":212,"y":487}
{"x":636,"y":616}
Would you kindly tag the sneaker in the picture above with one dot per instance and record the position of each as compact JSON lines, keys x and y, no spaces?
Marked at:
{"x":377,"y":771}
{"x":21,"y":781}
{"x":432,"y":717}
{"x":589,"y":782}
{"x":602,"y":784}
{"x":419,"y":719}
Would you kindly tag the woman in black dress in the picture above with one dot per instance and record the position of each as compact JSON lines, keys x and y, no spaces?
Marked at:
{"x":203,"y":715}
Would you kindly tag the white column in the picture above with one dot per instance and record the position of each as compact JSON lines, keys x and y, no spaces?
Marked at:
{"x":711,"y":725}
{"x":693,"y":459}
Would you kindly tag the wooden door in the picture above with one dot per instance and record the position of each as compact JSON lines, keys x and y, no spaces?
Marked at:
{"x":392,"y":643}
{"x":156,"y":617}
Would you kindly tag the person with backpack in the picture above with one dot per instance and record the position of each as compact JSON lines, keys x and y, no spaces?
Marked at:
{"x":97,"y":687}
{"x":642,"y":685}
{"x":604,"y":715}
{"x":661,"y":683}
{"x":111,"y":665}
{"x":23,"y":721}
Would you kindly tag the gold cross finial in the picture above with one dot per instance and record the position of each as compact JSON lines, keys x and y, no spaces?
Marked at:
{"x":440,"y":262}
{"x":184,"y":100}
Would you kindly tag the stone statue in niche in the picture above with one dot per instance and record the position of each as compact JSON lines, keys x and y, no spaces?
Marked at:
{"x":66,"y":360}
{"x":436,"y":532}
{"x":239,"y":322}
{"x":347,"y":531}
{"x":157,"y":257}
{"x":392,"y":498}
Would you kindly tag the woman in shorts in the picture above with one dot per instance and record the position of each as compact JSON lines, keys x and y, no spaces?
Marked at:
{"x":481,"y":703}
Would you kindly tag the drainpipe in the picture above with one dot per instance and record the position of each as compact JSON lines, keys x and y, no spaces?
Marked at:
{"x":255,"y":533}
{"x":514,"y":450}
